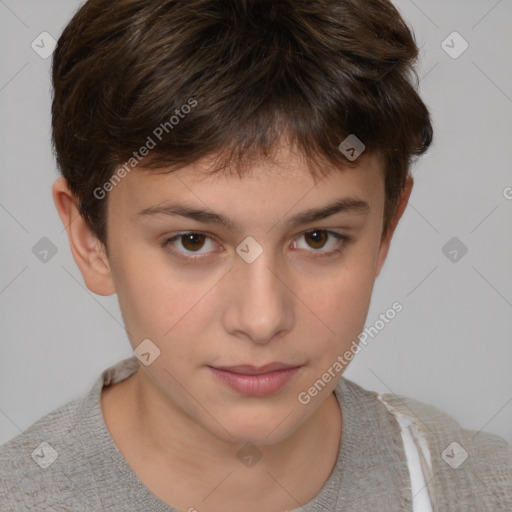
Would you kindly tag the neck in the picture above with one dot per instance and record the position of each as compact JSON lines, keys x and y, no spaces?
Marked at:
{"x":164,"y":436}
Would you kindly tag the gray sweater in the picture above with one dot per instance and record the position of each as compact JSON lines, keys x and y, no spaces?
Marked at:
{"x":67,"y":461}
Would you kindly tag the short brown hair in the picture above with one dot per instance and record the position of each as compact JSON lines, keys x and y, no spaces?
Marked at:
{"x":312,"y":71}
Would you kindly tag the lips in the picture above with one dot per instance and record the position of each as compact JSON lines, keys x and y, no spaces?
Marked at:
{"x":256,"y":370}
{"x":255,"y":380}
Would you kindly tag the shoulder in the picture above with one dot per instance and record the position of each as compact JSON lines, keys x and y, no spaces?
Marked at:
{"x":30,"y":469}
{"x":472,"y":466}
{"x":55,"y":424}
{"x":53,"y":465}
{"x":440,"y":428}
{"x":443,"y":428}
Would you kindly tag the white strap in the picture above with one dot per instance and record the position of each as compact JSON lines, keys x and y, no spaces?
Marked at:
{"x":414,"y":442}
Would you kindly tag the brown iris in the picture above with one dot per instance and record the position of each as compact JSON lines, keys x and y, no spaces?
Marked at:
{"x":193,"y":241}
{"x":318,"y":238}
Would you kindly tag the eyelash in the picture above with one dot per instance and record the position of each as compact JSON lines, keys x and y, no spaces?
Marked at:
{"x":344,"y":239}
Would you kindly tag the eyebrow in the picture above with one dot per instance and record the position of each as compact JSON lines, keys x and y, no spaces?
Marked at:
{"x":343,"y":205}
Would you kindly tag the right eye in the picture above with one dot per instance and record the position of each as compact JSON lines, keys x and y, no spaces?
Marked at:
{"x":191,"y":241}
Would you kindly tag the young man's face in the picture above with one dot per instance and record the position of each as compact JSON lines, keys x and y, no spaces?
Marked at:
{"x":205,"y":306}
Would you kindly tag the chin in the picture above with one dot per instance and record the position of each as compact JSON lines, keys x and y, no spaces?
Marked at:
{"x":257,"y":428}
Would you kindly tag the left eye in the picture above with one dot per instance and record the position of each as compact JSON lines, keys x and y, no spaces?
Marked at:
{"x":318,"y":238}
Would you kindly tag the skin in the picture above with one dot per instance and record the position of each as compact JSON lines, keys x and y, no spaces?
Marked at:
{"x":173,"y":421}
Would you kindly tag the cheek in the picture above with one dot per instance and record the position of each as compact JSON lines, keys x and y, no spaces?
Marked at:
{"x":344,"y":308}
{"x":161,"y":302}
{"x":348,"y":297}
{"x":342,"y":298}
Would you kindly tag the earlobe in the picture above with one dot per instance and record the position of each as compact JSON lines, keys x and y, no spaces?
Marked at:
{"x":87,"y":251}
{"x":386,"y":240}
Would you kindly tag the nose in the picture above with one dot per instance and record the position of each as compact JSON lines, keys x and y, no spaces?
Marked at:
{"x":259,"y":304}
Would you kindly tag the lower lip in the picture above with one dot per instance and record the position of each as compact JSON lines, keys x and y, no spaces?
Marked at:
{"x":255,"y":385}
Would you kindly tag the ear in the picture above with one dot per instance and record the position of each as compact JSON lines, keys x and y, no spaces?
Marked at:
{"x":386,"y":240}
{"x":88,"y":252}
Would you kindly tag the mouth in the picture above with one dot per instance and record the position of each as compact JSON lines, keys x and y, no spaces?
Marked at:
{"x":256,"y":381}
{"x":256,"y":370}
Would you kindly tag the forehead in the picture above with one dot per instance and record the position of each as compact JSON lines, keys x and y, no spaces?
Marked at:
{"x":275,"y":184}
{"x":285,"y":166}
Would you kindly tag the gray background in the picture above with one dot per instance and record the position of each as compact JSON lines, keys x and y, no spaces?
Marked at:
{"x":451,"y":346}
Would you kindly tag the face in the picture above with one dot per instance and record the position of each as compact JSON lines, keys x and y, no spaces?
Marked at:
{"x":257,"y":278}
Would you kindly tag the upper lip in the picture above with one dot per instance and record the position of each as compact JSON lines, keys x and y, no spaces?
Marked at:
{"x":256,"y":370}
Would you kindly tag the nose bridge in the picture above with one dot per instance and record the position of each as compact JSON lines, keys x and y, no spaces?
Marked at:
{"x":260,"y":307}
